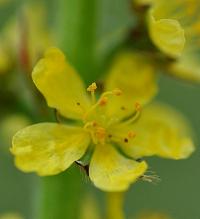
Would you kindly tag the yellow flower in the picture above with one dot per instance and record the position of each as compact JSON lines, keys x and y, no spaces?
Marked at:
{"x":24,"y":37}
{"x":49,"y":148}
{"x":174,"y":27}
{"x":9,"y":126}
{"x":109,"y":125}
{"x":10,"y":216}
{"x":161,"y":130}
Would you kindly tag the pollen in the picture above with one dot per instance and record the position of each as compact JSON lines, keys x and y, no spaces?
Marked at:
{"x":117,"y":92}
{"x":103,"y":101}
{"x":138,"y":106}
{"x":92,"y":87}
{"x":131,"y":134}
{"x":100,"y":133}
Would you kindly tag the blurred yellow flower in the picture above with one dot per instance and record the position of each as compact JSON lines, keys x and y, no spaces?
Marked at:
{"x":109,"y":124}
{"x":10,"y":216}
{"x":174,"y":27}
{"x":24,"y":37}
{"x":9,"y":126}
{"x":4,"y":2}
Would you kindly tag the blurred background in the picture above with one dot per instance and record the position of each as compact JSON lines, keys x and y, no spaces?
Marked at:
{"x":80,"y":28}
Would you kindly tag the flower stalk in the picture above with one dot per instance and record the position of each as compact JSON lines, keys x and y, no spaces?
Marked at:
{"x":76,"y":32}
{"x":115,"y":201}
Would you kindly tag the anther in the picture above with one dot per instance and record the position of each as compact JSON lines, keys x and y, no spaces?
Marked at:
{"x":117,"y":92}
{"x":92,"y":87}
{"x":131,"y":134}
{"x":103,"y":101}
{"x":138,"y":106}
{"x":94,"y":124}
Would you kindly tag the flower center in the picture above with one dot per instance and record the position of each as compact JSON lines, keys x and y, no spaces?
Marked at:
{"x":98,"y":133}
{"x":100,"y":125}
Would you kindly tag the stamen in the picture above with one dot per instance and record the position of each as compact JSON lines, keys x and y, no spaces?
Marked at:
{"x":138,"y":106}
{"x":103,"y":101}
{"x":92,"y":89}
{"x":135,"y":115}
{"x":154,"y":179}
{"x":117,"y":92}
{"x":100,"y":134}
{"x":131,"y":134}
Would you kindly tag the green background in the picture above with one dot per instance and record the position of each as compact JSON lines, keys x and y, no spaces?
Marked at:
{"x":99,"y":27}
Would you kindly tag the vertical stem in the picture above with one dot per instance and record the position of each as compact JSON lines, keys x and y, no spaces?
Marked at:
{"x":77,"y":35}
{"x":75,"y":28}
{"x":115,"y":205}
{"x":60,"y":195}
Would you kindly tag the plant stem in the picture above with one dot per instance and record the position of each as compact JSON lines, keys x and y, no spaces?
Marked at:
{"x":75,"y":28}
{"x":77,"y":35}
{"x":60,"y":195}
{"x":114,"y":205}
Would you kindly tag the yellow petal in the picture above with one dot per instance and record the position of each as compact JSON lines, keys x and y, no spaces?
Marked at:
{"x":167,"y":35}
{"x":135,"y":76}
{"x":160,"y":131}
{"x":186,"y":68}
{"x":48,"y":148}
{"x":110,"y":171}
{"x":60,"y":84}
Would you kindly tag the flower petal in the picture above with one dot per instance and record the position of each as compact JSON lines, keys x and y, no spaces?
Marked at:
{"x":110,"y":171}
{"x":186,"y":68}
{"x":135,"y":76}
{"x":48,"y":148}
{"x":160,"y":131}
{"x":167,"y":35}
{"x":60,"y":84}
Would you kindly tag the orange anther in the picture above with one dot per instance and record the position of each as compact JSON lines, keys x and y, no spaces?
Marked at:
{"x":131,"y":134}
{"x":94,"y":124}
{"x":92,"y":87}
{"x":138,"y":106}
{"x":103,"y":101}
{"x":117,"y":92}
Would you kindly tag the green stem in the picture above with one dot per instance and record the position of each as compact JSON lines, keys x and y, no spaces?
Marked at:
{"x":77,"y":35}
{"x":75,"y":28}
{"x":60,"y":195}
{"x":115,"y":206}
